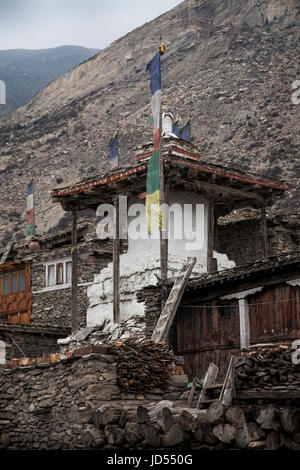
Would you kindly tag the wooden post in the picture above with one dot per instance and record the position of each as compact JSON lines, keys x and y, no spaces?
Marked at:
{"x":74,"y":273}
{"x":116,"y":265}
{"x":244,"y":324}
{"x":264,"y":232}
{"x":210,"y":237}
{"x":164,"y":229}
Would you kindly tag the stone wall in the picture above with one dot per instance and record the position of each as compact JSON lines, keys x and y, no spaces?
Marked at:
{"x":53,"y":307}
{"x":30,"y":344}
{"x":151,"y":298}
{"x":46,"y":406}
{"x":76,"y":403}
{"x":242,"y":240}
{"x":47,"y":403}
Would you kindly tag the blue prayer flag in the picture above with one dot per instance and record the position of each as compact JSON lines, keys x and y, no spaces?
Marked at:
{"x":113,"y":156}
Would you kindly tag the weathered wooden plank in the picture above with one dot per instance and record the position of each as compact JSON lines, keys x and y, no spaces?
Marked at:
{"x":116,"y":265}
{"x":210,"y":379}
{"x":8,"y":249}
{"x":274,"y":314}
{"x":264,"y":232}
{"x":267,"y":394}
{"x":166,"y":318}
{"x":74,"y":273}
{"x":236,"y":285}
{"x":210,"y":237}
{"x":228,"y":389}
{"x":192,"y":392}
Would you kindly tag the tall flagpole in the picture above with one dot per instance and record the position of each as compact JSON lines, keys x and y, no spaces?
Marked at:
{"x":33,"y":201}
{"x":155,"y":187}
{"x":164,"y":227}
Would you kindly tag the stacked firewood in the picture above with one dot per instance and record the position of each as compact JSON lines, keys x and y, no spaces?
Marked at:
{"x":142,"y":365}
{"x":164,"y":425}
{"x":269,"y":366}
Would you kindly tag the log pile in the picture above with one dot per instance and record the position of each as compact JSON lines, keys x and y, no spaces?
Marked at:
{"x":142,"y":365}
{"x":165,"y":425}
{"x":269,"y":367}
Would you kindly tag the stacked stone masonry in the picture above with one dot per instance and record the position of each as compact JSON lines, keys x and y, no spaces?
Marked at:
{"x":75,"y":403}
{"x":242,"y":240}
{"x":53,"y":307}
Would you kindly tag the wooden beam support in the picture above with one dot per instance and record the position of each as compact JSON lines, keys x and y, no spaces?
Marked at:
{"x":210,"y":237}
{"x":234,"y":285}
{"x":264,"y":232}
{"x":244,"y":324}
{"x":267,"y":394}
{"x":164,"y":229}
{"x":74,"y":273}
{"x":116,"y":264}
{"x":230,"y":191}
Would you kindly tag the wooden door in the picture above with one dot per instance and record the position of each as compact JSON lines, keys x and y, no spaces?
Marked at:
{"x":274,"y":314}
{"x":208,"y":334}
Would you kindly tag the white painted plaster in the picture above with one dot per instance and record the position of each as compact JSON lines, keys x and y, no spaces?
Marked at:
{"x":140,"y":266}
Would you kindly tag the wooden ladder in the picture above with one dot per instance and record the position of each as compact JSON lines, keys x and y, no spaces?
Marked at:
{"x":225,"y":390}
{"x":166,"y":318}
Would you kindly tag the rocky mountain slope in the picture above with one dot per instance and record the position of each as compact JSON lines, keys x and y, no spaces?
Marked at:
{"x":26,"y":72}
{"x":229,"y":66}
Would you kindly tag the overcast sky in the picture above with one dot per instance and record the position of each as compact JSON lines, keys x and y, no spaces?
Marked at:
{"x":39,"y":24}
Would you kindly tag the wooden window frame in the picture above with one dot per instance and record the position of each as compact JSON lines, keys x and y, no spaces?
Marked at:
{"x":18,"y":282}
{"x":66,"y":269}
{"x":7,"y":273}
{"x":22,"y":271}
{"x":62,"y":274}
{"x":57,"y":264}
{"x":47,"y":274}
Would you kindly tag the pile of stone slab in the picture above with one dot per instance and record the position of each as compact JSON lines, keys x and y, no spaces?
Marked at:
{"x":104,"y":333}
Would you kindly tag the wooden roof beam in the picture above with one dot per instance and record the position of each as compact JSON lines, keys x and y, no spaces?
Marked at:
{"x":233,"y":191}
{"x":233,"y":285}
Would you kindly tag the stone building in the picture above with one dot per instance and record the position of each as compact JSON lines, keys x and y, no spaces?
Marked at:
{"x":200,"y":192}
{"x":240,"y":235}
{"x":35,"y":288}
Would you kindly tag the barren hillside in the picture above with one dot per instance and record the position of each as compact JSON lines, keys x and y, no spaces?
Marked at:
{"x":229,"y":66}
{"x":27,"y":71}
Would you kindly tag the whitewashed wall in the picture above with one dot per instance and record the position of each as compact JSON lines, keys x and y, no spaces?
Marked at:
{"x":140,"y":266}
